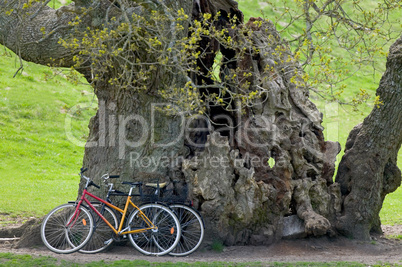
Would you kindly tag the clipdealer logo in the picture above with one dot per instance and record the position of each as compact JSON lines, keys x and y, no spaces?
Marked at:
{"x":116,"y":131}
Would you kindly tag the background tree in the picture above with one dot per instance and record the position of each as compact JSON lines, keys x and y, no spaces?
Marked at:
{"x":152,"y":65}
{"x":335,"y":40}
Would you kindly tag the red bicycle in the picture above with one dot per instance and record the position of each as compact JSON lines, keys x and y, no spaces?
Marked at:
{"x":153,"y":229}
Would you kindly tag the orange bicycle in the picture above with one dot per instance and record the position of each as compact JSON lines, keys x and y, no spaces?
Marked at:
{"x":171,"y":194}
{"x":153,"y":229}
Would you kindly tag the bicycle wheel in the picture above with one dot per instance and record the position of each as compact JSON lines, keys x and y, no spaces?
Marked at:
{"x":102,"y":236}
{"x":64,"y":230}
{"x":192,"y":230}
{"x":158,"y":241}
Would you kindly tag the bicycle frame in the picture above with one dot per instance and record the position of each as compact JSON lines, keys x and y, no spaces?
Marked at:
{"x":119,"y":231}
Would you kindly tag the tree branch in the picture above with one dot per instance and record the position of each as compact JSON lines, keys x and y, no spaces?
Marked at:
{"x":34,"y":32}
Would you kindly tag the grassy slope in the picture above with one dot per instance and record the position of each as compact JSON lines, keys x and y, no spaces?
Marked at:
{"x":39,"y":164}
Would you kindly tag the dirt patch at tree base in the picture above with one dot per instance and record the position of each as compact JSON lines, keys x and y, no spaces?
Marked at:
{"x":323,"y":249}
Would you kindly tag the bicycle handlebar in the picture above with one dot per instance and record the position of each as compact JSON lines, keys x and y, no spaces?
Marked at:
{"x":132,"y":183}
{"x":91,"y":183}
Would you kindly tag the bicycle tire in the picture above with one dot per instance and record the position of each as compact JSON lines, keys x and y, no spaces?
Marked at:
{"x":154,"y":242}
{"x":102,"y":237}
{"x":61,"y":233}
{"x":192,"y":230}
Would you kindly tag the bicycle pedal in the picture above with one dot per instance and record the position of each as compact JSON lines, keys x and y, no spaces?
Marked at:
{"x":118,"y":238}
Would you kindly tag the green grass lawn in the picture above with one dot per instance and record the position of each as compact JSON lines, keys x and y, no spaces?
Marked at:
{"x":39,"y":164}
{"x":9,"y":259}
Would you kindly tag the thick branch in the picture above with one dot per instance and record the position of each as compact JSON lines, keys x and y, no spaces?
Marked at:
{"x":34,"y":32}
{"x":23,"y":33}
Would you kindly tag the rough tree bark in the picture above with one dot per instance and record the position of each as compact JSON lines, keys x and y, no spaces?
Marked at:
{"x":242,"y":198}
{"x":368,"y":171}
{"x":247,"y":200}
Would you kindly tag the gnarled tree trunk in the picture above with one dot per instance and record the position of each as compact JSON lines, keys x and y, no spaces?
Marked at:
{"x":243,"y":199}
{"x":368,"y":170}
